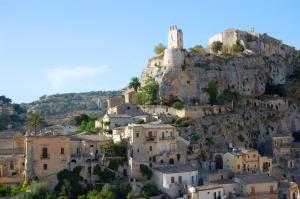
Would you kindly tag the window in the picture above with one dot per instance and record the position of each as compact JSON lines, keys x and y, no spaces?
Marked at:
{"x":44,"y":152}
{"x":91,"y":145}
{"x":11,"y":165}
{"x":62,"y":151}
{"x":45,"y":166}
{"x":271,"y":189}
{"x":78,"y":151}
{"x":192,"y":179}
{"x":138,"y":150}
{"x":150,"y":134}
{"x":179,"y":179}
{"x":172,"y":180}
{"x":137,"y":135}
{"x":154,"y":159}
{"x":238,"y":167}
{"x":254,"y":155}
{"x":150,"y":148}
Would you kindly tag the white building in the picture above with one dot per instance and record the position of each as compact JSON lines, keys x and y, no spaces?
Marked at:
{"x":210,"y":191}
{"x":173,"y":179}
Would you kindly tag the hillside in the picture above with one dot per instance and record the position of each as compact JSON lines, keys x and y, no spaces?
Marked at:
{"x":58,"y":104}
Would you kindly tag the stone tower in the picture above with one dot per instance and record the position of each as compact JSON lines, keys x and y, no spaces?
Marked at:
{"x":174,"y":54}
{"x":175,"y":38}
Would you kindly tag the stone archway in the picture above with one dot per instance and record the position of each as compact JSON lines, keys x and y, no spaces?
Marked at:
{"x":219,"y":161}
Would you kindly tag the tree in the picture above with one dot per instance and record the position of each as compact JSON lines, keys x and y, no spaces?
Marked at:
{"x":216,"y":46}
{"x":148,"y":93}
{"x":146,"y":171}
{"x":34,"y":122}
{"x":149,"y":190}
{"x":178,"y":105}
{"x":159,"y":48}
{"x":237,"y":47}
{"x":213,"y":92}
{"x":135,"y":83}
{"x":197,"y":49}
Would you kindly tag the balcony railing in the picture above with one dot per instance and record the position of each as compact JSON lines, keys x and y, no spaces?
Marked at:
{"x":167,"y":138}
{"x":45,"y":156}
{"x":150,"y":139}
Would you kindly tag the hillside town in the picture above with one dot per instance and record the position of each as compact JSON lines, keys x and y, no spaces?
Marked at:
{"x":221,"y":122}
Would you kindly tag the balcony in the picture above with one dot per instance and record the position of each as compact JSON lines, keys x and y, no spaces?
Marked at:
{"x":150,"y":139}
{"x":45,"y":156}
{"x":167,"y":138}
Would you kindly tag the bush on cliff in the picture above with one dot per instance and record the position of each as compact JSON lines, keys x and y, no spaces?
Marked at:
{"x":213,"y":92}
{"x":216,"y":46}
{"x":148,"y":93}
{"x":178,"y":105}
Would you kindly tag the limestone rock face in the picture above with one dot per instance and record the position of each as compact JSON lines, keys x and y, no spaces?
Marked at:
{"x":247,"y":75}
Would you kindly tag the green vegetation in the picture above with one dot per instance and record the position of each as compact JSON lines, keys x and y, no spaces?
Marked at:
{"x":159,"y":48}
{"x":148,"y":93}
{"x":216,"y":46}
{"x":146,"y":171}
{"x":213,"y":92}
{"x":11,"y":114}
{"x":149,"y":190}
{"x":197,"y":49}
{"x":39,"y":190}
{"x":71,"y":102}
{"x":135,"y":83}
{"x":180,"y":122}
{"x":34,"y":122}
{"x":227,"y":96}
{"x":104,"y":175}
{"x":237,"y":47}
{"x":195,"y":101}
{"x":72,"y":180}
{"x":178,"y":105}
{"x":85,"y":123}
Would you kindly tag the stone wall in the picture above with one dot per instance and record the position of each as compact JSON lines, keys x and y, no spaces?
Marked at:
{"x":115,"y":101}
{"x":188,"y":111}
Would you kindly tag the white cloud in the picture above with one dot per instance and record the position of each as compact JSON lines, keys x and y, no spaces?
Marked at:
{"x":62,"y":78}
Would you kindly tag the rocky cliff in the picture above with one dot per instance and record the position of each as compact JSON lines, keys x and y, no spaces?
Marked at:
{"x":245,"y":74}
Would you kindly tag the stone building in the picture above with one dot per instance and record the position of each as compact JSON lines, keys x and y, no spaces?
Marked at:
{"x":11,"y":157}
{"x":47,"y":153}
{"x":211,"y":191}
{"x":257,"y":43}
{"x":242,"y":160}
{"x":87,"y":150}
{"x":152,"y":144}
{"x":256,"y":186}
{"x":288,"y":190}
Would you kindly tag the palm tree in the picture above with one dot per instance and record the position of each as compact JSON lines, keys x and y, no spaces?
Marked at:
{"x":135,"y":83}
{"x":34,"y":122}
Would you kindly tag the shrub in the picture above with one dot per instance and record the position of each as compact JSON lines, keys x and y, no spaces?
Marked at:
{"x":241,"y":138}
{"x":216,"y":46}
{"x":237,"y":47}
{"x":227,"y":96}
{"x":149,"y":190}
{"x":178,"y":105}
{"x":180,"y":122}
{"x":213,"y":92}
{"x":159,"y":48}
{"x":148,"y":93}
{"x":146,"y":171}
{"x":197,"y":49}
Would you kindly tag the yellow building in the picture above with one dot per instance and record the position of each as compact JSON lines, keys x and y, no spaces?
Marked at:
{"x":11,"y":157}
{"x":47,"y":153}
{"x":256,"y":186}
{"x":242,"y":160}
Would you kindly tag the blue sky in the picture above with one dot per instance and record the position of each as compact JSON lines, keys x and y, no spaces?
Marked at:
{"x":60,"y":46}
